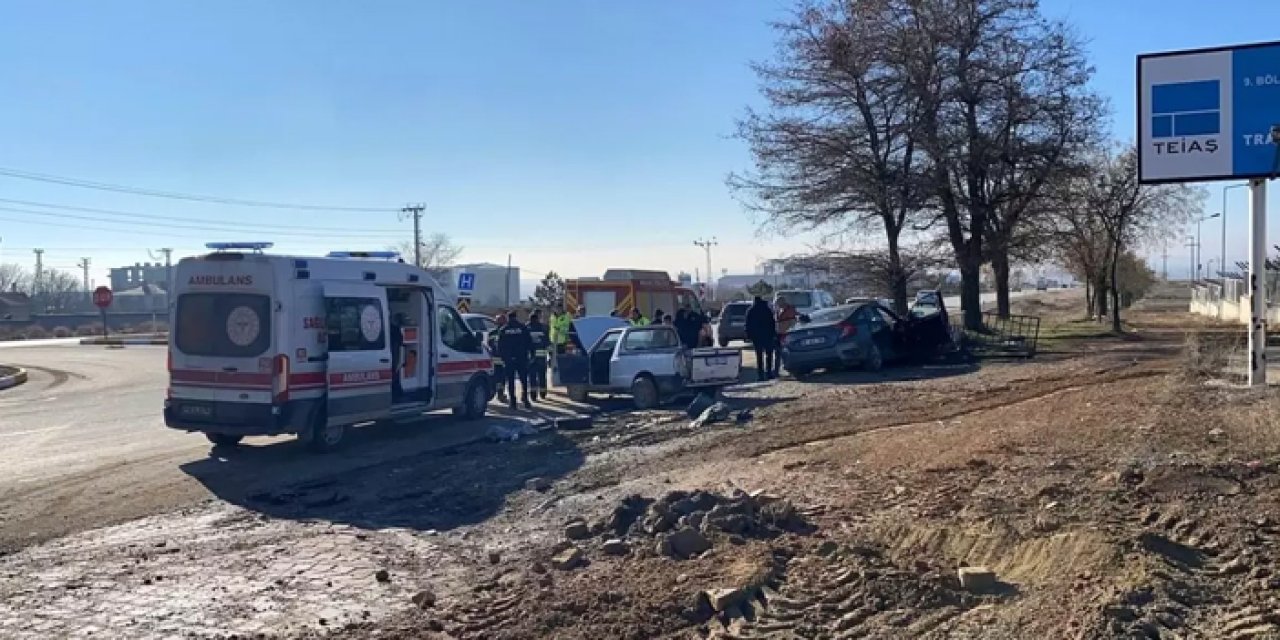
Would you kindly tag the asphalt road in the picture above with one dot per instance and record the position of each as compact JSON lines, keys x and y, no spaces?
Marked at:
{"x":83,"y":443}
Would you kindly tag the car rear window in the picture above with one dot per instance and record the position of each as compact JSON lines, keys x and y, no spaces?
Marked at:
{"x":798,"y":299}
{"x":229,"y":325}
{"x":650,"y":339}
{"x":736,"y":310}
{"x":834,"y":314}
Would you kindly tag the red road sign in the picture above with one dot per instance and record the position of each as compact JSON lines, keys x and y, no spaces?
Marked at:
{"x":102,"y":297}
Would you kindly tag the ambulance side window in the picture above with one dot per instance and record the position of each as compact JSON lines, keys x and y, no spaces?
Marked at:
{"x":355,"y":324}
{"x":455,"y":333}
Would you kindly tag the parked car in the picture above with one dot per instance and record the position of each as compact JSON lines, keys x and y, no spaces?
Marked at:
{"x":733,"y":323}
{"x":479,"y":323}
{"x":607,"y":355}
{"x":806,"y":301}
{"x":866,"y":335}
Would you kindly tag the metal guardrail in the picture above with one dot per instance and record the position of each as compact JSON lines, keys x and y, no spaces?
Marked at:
{"x":1012,"y":336}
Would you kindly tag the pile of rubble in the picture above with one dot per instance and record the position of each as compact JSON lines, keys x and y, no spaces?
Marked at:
{"x":680,"y":525}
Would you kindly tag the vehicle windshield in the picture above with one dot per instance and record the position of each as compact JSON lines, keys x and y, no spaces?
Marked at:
{"x":798,"y":299}
{"x":477,"y":324}
{"x":229,"y":325}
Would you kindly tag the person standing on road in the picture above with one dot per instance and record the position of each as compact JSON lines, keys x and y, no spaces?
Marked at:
{"x":491,"y":343}
{"x":515,"y":345}
{"x":638,"y":319}
{"x":762,"y":330}
{"x":687,"y":327}
{"x":538,"y":361}
{"x":559,"y":333}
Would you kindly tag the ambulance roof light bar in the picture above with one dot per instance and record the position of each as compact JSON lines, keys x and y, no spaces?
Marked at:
{"x":231,"y":246}
{"x":376,"y":255}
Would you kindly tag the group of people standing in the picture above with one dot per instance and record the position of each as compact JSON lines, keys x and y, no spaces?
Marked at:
{"x":689,"y":324}
{"x":765,"y":329}
{"x":522,"y":352}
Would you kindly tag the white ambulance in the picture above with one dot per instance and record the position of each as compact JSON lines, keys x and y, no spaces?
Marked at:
{"x":265,"y":344}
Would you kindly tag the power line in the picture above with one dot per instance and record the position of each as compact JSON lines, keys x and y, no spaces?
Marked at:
{"x":172,"y":195}
{"x":132,"y":214}
{"x":217,"y":229}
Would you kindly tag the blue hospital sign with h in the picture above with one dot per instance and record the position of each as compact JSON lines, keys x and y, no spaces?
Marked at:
{"x":1182,"y":109}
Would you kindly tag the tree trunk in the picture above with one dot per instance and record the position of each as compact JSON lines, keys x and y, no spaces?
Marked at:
{"x":971,"y":293}
{"x":1100,"y":295}
{"x":1000,"y":265}
{"x":1115,"y":294}
{"x":1088,"y":298}
{"x":897,"y":277}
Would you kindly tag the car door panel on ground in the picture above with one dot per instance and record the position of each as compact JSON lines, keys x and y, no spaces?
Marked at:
{"x":360,"y":375}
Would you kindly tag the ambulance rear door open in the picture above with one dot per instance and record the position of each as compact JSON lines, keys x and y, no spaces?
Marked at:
{"x":360,"y":375}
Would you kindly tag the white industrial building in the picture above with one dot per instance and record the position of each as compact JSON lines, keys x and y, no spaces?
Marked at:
{"x":496,"y":285}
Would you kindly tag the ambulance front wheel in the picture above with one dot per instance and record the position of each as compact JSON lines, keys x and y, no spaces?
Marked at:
{"x":475,"y":402}
{"x":324,"y":437}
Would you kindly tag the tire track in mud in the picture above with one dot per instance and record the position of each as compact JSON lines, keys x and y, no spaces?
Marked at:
{"x":961,"y":413}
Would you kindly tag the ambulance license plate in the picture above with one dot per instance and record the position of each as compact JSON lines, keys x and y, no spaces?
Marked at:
{"x":189,"y":410}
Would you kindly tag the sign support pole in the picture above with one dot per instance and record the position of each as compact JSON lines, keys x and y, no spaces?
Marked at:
{"x":1258,"y":283}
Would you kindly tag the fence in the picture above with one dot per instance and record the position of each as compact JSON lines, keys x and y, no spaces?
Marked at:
{"x":1012,"y":336}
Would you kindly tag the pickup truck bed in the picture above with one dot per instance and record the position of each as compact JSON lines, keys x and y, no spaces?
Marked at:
{"x":711,"y":367}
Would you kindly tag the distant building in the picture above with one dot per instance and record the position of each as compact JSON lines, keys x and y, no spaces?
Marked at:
{"x":147,"y":297}
{"x":125,"y":278}
{"x":495,"y":285}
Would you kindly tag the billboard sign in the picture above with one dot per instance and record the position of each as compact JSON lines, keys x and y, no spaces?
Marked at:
{"x":1207,"y":114}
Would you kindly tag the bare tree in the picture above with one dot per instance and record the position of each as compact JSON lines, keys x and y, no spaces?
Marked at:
{"x":14,"y":277}
{"x":1006,"y":103}
{"x":837,"y":146}
{"x":61,"y":291}
{"x":1132,"y":213}
{"x":875,"y":273}
{"x":438,"y":251}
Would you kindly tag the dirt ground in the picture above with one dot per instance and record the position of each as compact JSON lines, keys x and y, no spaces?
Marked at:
{"x":1111,"y":487}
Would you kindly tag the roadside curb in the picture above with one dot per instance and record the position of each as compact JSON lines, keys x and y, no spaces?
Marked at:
{"x":13,"y":379}
{"x":122,"y":342}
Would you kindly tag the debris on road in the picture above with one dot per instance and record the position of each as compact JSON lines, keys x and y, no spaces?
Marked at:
{"x":541,"y":485}
{"x":577,"y":530}
{"x":718,"y":412}
{"x":382,"y":575}
{"x":569,"y":559}
{"x":977,"y":579}
{"x":424,"y":599}
{"x":510,"y":432}
{"x":615,"y":547}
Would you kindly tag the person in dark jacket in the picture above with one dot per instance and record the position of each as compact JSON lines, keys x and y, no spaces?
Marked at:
{"x":688,"y":325}
{"x":539,"y":335}
{"x":515,"y":344}
{"x":762,"y":331}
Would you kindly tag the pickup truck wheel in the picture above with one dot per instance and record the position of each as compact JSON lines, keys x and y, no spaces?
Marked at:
{"x":724,"y":342}
{"x":644,"y":393}
{"x":874,"y":360}
{"x":474,"y":402}
{"x":223,"y":439}
{"x":577,"y":392}
{"x":325,"y":438}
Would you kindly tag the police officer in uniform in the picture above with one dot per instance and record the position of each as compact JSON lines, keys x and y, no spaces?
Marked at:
{"x":499,"y":370}
{"x":515,"y":346}
{"x":538,"y":362}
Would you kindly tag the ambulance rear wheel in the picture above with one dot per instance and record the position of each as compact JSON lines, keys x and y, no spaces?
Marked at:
{"x":475,"y":402}
{"x":223,"y":439}
{"x":325,"y":437}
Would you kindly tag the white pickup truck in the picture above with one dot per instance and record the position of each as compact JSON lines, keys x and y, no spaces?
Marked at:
{"x":606,"y":355}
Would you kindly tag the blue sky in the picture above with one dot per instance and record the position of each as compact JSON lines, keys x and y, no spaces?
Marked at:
{"x":572,"y":134}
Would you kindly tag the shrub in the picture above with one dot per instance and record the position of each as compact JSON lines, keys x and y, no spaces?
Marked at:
{"x":62,"y":332}
{"x":89,"y":330}
{"x":35,"y":332}
{"x":152,"y":327}
{"x":1207,"y":355}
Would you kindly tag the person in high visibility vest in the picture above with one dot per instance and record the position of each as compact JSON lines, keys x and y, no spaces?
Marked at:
{"x":499,"y":370}
{"x":559,"y":334}
{"x":538,"y":361}
{"x":638,"y":319}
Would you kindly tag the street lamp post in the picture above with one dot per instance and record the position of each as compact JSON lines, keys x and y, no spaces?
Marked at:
{"x":1222,"y":251}
{"x":1198,"y":221}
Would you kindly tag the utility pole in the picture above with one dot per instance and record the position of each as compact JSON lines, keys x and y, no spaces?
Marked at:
{"x":415,"y":210}
{"x":84,"y":264}
{"x":706,"y":246}
{"x":35,"y":287}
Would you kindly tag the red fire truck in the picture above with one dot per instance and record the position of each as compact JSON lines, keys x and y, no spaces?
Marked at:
{"x":622,"y":290}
